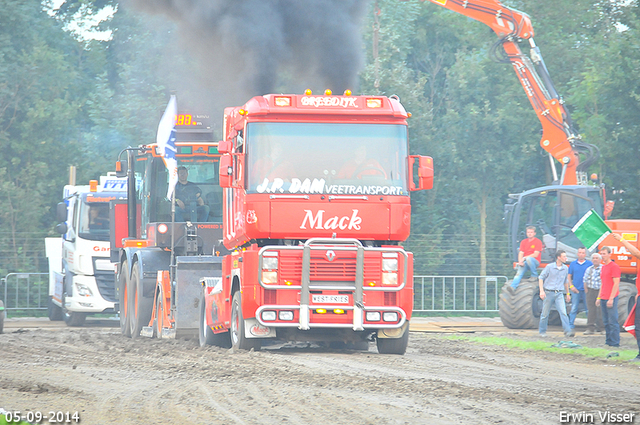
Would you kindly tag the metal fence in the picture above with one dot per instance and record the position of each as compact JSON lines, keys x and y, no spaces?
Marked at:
{"x":457,"y":293}
{"x":30,"y":291}
{"x":25,"y":292}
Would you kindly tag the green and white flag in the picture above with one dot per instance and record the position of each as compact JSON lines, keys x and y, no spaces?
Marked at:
{"x":591,"y":230}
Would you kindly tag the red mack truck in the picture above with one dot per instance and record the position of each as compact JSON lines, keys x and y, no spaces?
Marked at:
{"x":315,"y":207}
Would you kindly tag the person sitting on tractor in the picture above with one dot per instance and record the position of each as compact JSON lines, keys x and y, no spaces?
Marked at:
{"x":189,"y":200}
{"x":528,"y":257}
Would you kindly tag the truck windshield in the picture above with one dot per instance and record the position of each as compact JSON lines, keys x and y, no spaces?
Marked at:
{"x":93,"y":220}
{"x":341,"y":159}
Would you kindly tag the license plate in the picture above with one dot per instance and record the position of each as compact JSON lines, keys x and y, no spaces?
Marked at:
{"x":330,"y":299}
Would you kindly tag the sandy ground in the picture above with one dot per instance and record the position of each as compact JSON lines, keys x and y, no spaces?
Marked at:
{"x":108,"y":378}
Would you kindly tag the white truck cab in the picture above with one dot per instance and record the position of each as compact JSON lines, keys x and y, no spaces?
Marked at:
{"x":81,"y":276}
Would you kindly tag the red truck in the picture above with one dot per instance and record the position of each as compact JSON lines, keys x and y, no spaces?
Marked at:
{"x":315,"y":206}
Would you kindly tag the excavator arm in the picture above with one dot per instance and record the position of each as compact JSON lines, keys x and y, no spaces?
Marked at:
{"x":559,"y":137}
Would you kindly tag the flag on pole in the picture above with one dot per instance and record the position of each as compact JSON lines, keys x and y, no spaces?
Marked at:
{"x":591,"y":230}
{"x":166,"y":140}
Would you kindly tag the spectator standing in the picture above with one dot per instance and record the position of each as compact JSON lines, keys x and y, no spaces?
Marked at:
{"x":608,"y":297}
{"x":553,"y":285}
{"x":592,"y":285}
{"x":636,"y":253}
{"x":528,"y":256}
{"x":577,"y":269}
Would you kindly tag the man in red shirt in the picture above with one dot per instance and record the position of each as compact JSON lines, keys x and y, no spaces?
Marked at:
{"x":608,"y":297}
{"x":528,"y":256}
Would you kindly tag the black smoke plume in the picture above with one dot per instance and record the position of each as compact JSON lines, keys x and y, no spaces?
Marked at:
{"x":248,"y":47}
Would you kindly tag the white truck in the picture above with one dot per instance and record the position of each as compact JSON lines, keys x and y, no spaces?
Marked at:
{"x":81,"y":275}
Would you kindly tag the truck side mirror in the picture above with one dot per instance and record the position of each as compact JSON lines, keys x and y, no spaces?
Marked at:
{"x":226,"y":170}
{"x":61,"y":212}
{"x":62,"y":228}
{"x":225,"y":146}
{"x":425,"y":172}
{"x":121,"y":168}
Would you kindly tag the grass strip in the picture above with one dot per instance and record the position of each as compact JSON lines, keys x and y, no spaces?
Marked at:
{"x":599,"y":353}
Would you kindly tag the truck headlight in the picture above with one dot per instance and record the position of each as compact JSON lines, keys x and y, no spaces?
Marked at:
{"x":269,"y":277}
{"x":83,"y":290}
{"x":373,"y":316}
{"x":389,"y":278}
{"x":285,"y":315}
{"x":389,"y":264}
{"x":268,"y":316}
{"x":390,"y":316}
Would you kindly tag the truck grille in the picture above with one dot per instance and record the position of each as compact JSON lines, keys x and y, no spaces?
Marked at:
{"x":341,"y":269}
{"x":106,"y":285}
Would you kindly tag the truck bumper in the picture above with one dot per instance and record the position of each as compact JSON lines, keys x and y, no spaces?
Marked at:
{"x":86,"y":298}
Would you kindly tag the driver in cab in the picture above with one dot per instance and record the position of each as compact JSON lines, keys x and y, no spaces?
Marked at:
{"x":189,"y":198}
{"x":361,"y":166}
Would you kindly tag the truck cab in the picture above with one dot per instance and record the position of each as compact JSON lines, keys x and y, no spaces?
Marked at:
{"x":81,"y":273}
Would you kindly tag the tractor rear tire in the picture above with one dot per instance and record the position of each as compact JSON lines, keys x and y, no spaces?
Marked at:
{"x":54,"y":311}
{"x":140,"y":307}
{"x":394,"y":345}
{"x":626,"y":301}
{"x":238,"y":338}
{"x":123,"y":298}
{"x":521,"y":308}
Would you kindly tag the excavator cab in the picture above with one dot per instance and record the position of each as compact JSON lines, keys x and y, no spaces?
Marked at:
{"x":553,"y":210}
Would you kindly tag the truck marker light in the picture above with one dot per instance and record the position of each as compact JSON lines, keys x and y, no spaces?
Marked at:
{"x":288,"y":283}
{"x":269,"y":316}
{"x":162,"y":228}
{"x":338,"y":311}
{"x":373,"y":316}
{"x":321,"y":310}
{"x":242,"y":112}
{"x":282,"y":101}
{"x":328,"y":92}
{"x":347,"y":92}
{"x":308,"y":92}
{"x":285,"y":315}
{"x":93,"y":185}
{"x":389,"y":316}
{"x":374,"y":103}
{"x":372,"y":284}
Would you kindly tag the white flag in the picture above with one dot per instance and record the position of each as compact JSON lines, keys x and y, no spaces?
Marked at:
{"x":166,"y":140}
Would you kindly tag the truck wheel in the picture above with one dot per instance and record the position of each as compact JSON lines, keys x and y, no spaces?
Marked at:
{"x":238,"y":339}
{"x":205,"y":334}
{"x":394,"y":345}
{"x":123,"y":299}
{"x":139,"y":306}
{"x":520,"y":309}
{"x":626,"y":301}
{"x":54,"y":311}
{"x":1,"y":317}
{"x":72,"y":318}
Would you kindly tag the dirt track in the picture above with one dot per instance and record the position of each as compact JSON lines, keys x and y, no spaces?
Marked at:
{"x":108,"y":378}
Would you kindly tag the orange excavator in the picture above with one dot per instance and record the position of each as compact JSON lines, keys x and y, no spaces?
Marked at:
{"x":556,"y":208}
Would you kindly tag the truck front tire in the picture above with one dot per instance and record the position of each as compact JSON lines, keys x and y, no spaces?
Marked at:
{"x":72,"y":318}
{"x":54,"y":311}
{"x":394,"y":345}
{"x":238,"y":338}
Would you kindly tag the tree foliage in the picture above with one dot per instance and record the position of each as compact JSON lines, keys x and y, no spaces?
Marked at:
{"x":68,"y":101}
